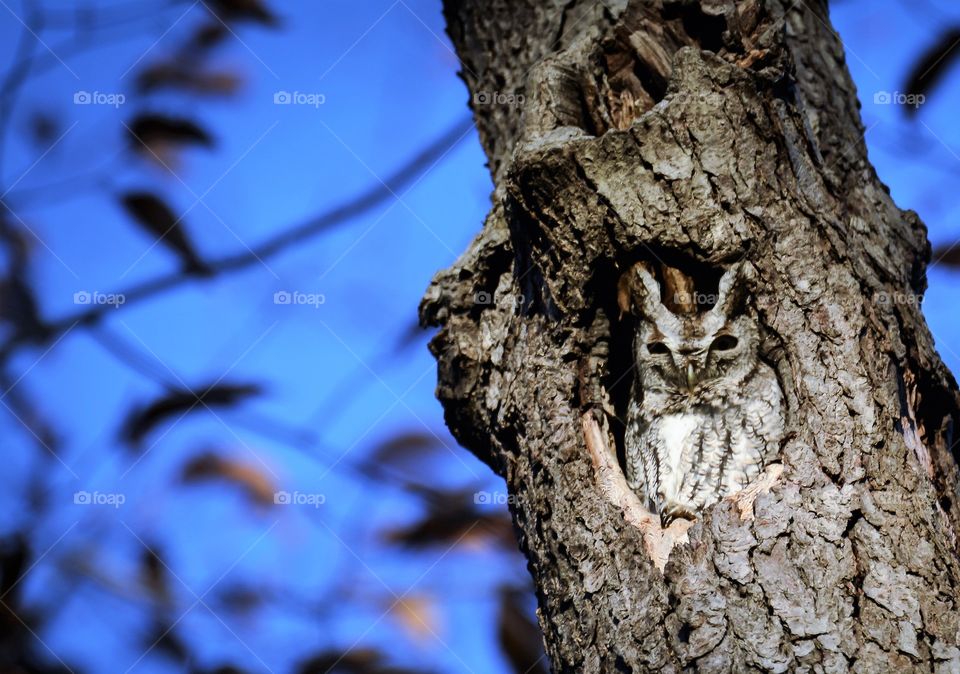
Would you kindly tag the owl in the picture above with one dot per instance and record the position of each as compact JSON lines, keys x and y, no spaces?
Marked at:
{"x":706,"y":413}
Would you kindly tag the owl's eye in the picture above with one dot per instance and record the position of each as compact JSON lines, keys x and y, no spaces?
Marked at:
{"x":657,"y":348}
{"x":724,"y":343}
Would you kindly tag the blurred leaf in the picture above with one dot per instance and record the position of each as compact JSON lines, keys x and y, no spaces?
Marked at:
{"x":162,"y":638}
{"x":44,"y":129}
{"x":17,"y":244}
{"x":414,"y":333}
{"x":354,"y":661}
{"x":947,"y":254}
{"x":142,"y":421}
{"x":933,"y":64}
{"x":18,"y":307}
{"x":519,"y":635}
{"x":256,"y":486}
{"x":453,"y":518}
{"x":404,"y":446}
{"x":209,"y":35}
{"x":188,"y":78}
{"x":418,"y":614}
{"x":153,"y":214}
{"x":13,"y":564}
{"x":158,"y":132}
{"x":248,"y":10}
{"x":241,"y":599}
{"x":153,"y":574}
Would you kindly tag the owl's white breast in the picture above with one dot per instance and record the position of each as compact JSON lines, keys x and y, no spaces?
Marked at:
{"x":675,"y":434}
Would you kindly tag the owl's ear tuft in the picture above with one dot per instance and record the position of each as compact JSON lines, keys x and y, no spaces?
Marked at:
{"x":638,"y":290}
{"x":733,"y":288}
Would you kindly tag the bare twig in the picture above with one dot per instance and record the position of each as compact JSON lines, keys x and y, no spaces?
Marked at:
{"x":366,"y":201}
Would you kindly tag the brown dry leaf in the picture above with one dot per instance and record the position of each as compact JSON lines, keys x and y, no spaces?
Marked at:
{"x":418,"y":614}
{"x":160,"y":138}
{"x":404,"y":447}
{"x":519,"y":635}
{"x":208,"y":36}
{"x":453,"y":518}
{"x":947,"y":255}
{"x":187,"y":78}
{"x":180,"y":403}
{"x":354,"y":661}
{"x":152,"y":214}
{"x":153,"y":574}
{"x":257,"y":487}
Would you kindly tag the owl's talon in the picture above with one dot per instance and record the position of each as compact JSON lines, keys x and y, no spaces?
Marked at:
{"x":675,"y":511}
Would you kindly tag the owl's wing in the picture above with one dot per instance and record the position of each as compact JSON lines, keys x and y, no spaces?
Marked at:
{"x":767,"y":414}
{"x":640,"y":455}
{"x":631,"y":441}
{"x":757,"y":422}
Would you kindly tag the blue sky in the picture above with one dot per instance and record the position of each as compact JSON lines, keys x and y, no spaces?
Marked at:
{"x":387,"y":79}
{"x":917,"y":158}
{"x":387,"y":83}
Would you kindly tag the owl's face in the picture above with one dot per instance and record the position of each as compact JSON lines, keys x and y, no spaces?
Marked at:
{"x":695,"y":353}
{"x":692,"y":354}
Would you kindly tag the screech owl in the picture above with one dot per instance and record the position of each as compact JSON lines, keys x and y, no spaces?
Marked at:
{"x":706,"y":413}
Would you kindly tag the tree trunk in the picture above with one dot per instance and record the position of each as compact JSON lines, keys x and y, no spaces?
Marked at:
{"x":691,"y":134}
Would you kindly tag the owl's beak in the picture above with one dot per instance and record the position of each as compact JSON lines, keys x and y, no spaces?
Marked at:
{"x":691,"y":376}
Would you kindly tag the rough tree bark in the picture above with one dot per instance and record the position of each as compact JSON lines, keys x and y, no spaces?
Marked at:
{"x":689,"y":134}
